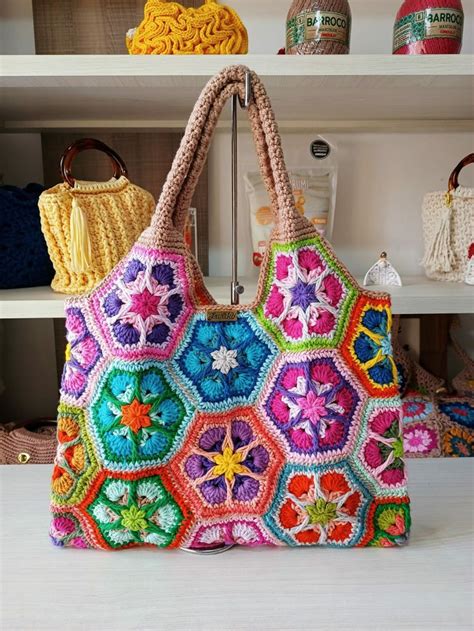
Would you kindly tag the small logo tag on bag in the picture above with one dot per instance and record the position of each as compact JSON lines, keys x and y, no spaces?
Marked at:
{"x":221,"y":315}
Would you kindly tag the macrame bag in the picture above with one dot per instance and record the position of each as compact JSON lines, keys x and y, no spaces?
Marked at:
{"x":448,"y":227}
{"x":90,"y":226}
{"x":205,"y":425}
{"x":24,"y":259}
{"x":168,"y":28}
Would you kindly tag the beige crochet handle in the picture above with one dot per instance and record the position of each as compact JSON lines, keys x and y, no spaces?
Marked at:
{"x":454,"y":178}
{"x":169,"y":217}
{"x":467,"y":361}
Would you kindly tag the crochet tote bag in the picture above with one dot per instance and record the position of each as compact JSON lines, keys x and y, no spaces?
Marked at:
{"x":185,"y":423}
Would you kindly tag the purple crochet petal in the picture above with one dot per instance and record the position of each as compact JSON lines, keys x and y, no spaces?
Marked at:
{"x":112,"y":304}
{"x":257,"y":459}
{"x":241,"y":434}
{"x":245,"y":488}
{"x":197,"y":466}
{"x":159,"y":334}
{"x":212,"y":439}
{"x":132,"y":271}
{"x":175,"y":306}
{"x":215,"y":491}
{"x":126,"y":334}
{"x":164,"y":274}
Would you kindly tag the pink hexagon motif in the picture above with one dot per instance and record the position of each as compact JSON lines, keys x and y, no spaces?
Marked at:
{"x":315,"y":403}
{"x":143,"y":307}
{"x":242,"y":532}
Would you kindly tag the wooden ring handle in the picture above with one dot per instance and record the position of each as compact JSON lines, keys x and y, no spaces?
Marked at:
{"x":454,"y":178}
{"x":83,"y":145}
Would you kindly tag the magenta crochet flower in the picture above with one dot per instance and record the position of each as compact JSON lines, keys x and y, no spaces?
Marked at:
{"x":305,"y":295}
{"x":419,"y":439}
{"x":383,"y":453}
{"x":82,"y":354}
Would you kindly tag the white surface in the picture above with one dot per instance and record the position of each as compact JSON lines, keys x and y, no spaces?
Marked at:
{"x":63,"y":89}
{"x":424,"y":586}
{"x":418,"y":295}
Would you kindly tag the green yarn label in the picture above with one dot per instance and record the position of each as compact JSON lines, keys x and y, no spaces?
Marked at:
{"x":317,"y":26}
{"x":428,"y":24}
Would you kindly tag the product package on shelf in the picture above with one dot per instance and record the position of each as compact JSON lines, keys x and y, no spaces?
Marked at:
{"x":318,"y":27}
{"x":448,"y":227}
{"x":90,"y":226}
{"x":168,"y":28}
{"x":314,"y":190}
{"x":24,"y":259}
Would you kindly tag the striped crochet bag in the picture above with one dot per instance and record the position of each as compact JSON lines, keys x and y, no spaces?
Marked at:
{"x":185,"y":423}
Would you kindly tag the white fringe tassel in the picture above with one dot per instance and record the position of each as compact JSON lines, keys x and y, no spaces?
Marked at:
{"x":439,"y":255}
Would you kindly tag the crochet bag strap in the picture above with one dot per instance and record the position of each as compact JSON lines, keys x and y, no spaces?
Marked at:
{"x":454,"y":178}
{"x":85,"y":144}
{"x":467,"y":361}
{"x":166,"y":226}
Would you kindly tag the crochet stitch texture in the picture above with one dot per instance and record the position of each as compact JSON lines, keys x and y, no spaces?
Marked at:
{"x":278,"y":426}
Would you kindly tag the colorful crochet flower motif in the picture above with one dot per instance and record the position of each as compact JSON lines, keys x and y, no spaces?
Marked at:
{"x":144,"y":306}
{"x":243,"y":532}
{"x":75,"y":463}
{"x":458,"y":442}
{"x":459,"y":412}
{"x":138,"y":416}
{"x":65,"y":531}
{"x":82,"y":354}
{"x":230,"y":462}
{"x":382,"y":453}
{"x":419,"y":440}
{"x":368,"y":347}
{"x":224,"y":363}
{"x":416,"y":408}
{"x":136,"y":512}
{"x":388,"y":523}
{"x":318,"y":507}
{"x":306,"y":303}
{"x":314,"y":405}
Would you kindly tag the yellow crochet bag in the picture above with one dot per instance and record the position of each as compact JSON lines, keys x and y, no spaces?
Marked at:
{"x":90,"y":226}
{"x":168,"y":28}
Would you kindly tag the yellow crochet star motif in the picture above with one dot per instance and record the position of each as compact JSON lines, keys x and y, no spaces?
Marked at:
{"x":228,"y":464}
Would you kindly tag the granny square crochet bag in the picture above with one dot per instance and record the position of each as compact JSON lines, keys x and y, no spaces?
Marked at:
{"x":184,"y":423}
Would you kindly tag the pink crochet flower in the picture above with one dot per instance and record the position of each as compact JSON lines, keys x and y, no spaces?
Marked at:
{"x":383,"y":453}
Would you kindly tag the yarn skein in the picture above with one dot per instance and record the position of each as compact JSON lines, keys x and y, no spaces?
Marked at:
{"x":318,"y":27}
{"x":429,"y":27}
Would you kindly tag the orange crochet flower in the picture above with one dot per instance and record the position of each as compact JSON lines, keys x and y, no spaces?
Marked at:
{"x":135,"y":415}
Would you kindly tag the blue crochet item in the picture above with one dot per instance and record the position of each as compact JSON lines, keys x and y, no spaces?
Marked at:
{"x":24,"y":259}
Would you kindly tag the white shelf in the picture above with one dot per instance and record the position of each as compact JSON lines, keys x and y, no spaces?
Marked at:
{"x":350,"y":92}
{"x":426,"y":585}
{"x":418,"y":296}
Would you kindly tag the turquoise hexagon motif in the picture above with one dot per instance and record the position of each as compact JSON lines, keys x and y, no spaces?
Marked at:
{"x":138,"y":416}
{"x":225,"y":363}
{"x":307,"y":296}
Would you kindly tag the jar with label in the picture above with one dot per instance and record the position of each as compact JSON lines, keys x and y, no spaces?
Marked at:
{"x":318,"y":27}
{"x":429,"y":27}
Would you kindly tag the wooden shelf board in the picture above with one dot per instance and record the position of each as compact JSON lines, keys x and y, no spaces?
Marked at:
{"x":159,"y":90}
{"x":418,"y":296}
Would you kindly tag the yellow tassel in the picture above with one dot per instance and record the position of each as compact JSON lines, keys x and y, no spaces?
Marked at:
{"x":81,"y":253}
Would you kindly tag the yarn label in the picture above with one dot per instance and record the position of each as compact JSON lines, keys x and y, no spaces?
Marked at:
{"x":317,"y":26}
{"x":221,"y":315}
{"x":428,"y":24}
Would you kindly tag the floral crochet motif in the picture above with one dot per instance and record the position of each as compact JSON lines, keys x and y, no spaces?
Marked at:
{"x":383,"y":451}
{"x":458,"y":442}
{"x":318,"y":507}
{"x":143,"y":308}
{"x":244,"y":532}
{"x":388,"y":523}
{"x":230,"y":462}
{"x":306,"y":299}
{"x":460,"y":412}
{"x":75,"y":463}
{"x":65,"y":531}
{"x":314,"y":406}
{"x":137,"y":416}
{"x":368,"y":347}
{"x":82,"y":354}
{"x":416,"y":408}
{"x":133,"y":512}
{"x":224,"y":362}
{"x":419,"y":439}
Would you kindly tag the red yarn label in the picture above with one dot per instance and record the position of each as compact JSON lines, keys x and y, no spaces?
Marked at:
{"x":317,"y":26}
{"x":428,"y":24}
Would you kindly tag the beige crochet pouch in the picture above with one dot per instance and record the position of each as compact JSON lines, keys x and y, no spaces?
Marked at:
{"x":448,"y":227}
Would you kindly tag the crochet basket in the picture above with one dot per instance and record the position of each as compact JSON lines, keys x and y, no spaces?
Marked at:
{"x":202,"y":425}
{"x":90,"y":226}
{"x":448,"y":226}
{"x":32,"y":442}
{"x":168,"y":28}
{"x":24,"y":260}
